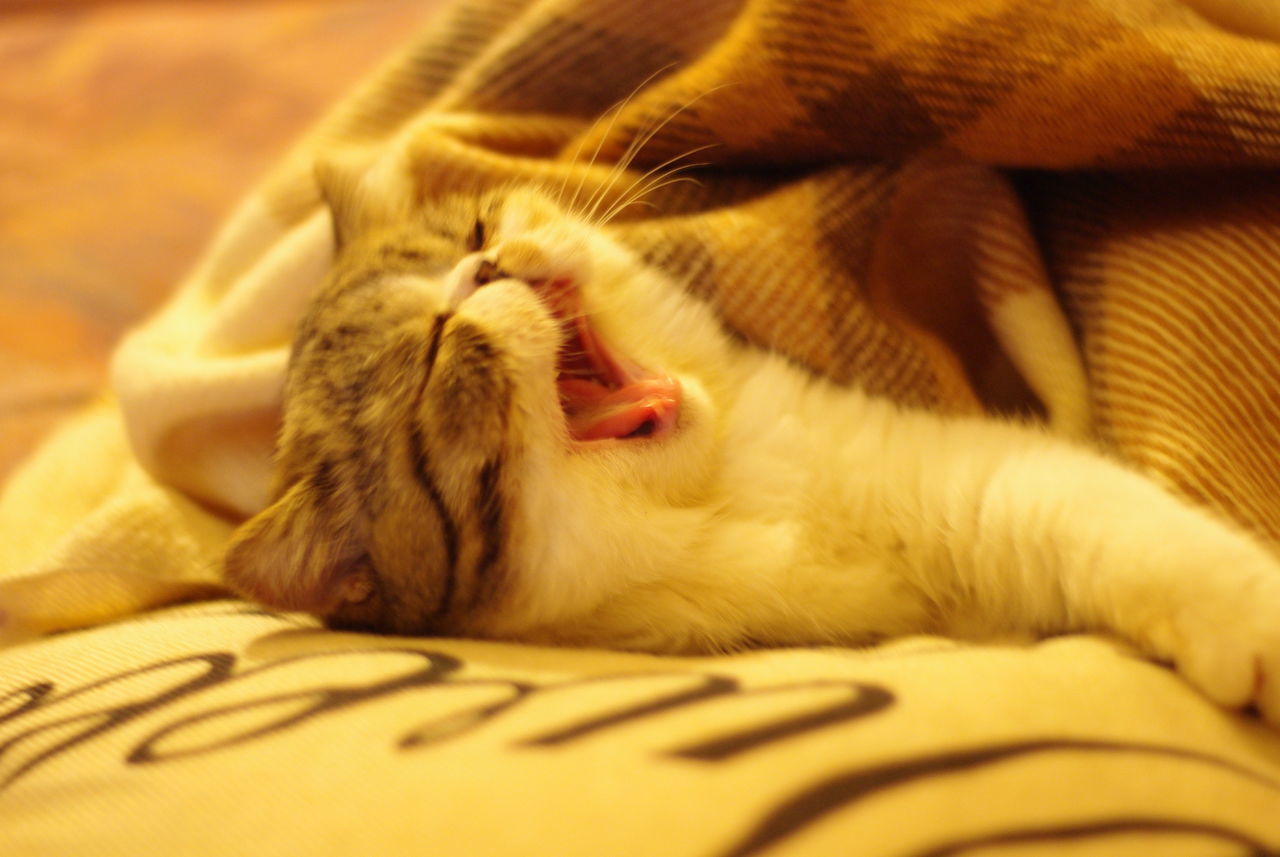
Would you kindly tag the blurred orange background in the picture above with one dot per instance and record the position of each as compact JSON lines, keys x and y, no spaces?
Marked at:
{"x":128,"y":129}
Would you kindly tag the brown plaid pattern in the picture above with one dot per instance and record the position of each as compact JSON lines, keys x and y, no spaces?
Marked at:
{"x":881,"y":176}
{"x":955,"y":204}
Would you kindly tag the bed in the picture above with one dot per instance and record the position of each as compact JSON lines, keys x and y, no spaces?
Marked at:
{"x":1066,"y":211}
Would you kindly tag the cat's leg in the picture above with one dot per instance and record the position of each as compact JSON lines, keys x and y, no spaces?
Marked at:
{"x":1061,"y":539}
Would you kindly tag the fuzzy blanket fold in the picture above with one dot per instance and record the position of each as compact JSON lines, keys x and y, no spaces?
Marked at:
{"x":949,"y":203}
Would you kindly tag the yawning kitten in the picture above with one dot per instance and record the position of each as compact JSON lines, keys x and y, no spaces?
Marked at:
{"x":500,"y":423}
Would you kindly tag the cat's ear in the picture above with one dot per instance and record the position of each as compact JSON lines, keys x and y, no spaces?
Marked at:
{"x":363,"y":190}
{"x":298,"y":554}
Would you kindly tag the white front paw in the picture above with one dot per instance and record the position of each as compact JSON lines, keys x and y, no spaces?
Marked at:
{"x":1227,"y":643}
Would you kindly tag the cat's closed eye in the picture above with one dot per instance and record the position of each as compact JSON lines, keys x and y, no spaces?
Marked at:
{"x":476,"y":238}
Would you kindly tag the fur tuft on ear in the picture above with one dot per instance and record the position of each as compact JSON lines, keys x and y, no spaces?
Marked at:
{"x":363,"y":190}
{"x":298,"y":555}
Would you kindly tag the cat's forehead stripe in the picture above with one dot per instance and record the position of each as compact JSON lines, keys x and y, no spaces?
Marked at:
{"x":489,"y":514}
{"x":426,"y":479}
{"x":433,"y":350}
{"x":448,"y":526}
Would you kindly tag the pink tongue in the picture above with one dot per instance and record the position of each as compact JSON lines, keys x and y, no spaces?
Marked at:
{"x":596,"y":412}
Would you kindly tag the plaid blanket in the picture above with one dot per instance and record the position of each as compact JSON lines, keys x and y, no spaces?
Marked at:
{"x":1064,"y":208}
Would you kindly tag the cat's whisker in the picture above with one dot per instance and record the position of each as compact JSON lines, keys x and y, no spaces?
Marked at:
{"x":571,"y":205}
{"x":618,"y":209}
{"x":631,"y":191}
{"x":637,"y":197}
{"x":619,"y":168}
{"x":580,"y":209}
{"x":642,"y":139}
{"x":642,"y":136}
{"x":638,"y":193}
{"x":564,"y":178}
{"x":614,"y":111}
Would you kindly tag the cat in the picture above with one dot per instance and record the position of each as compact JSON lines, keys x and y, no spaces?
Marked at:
{"x":500,"y":423}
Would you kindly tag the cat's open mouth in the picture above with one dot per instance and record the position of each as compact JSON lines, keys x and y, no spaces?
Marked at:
{"x":604,"y":393}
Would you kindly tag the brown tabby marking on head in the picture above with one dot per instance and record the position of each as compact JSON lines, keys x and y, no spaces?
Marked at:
{"x":448,"y":526}
{"x":392,"y":459}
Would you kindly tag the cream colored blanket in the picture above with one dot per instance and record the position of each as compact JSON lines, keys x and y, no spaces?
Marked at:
{"x":966,"y":205}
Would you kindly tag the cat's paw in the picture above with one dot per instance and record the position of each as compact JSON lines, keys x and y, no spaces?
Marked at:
{"x":1227,"y":643}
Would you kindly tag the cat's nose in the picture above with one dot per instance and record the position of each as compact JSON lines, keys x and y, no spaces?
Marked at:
{"x":471,"y":273}
{"x":487,"y":272}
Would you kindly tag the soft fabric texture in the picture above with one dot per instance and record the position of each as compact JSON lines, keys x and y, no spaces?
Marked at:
{"x":967,"y":205}
{"x":219,"y":730}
